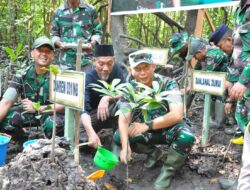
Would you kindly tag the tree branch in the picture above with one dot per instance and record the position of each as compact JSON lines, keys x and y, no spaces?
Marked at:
{"x":169,"y":21}
{"x":102,"y":6}
{"x":134,"y":39}
{"x":97,"y":1}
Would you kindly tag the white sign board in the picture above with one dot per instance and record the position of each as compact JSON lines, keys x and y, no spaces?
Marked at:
{"x":159,"y":56}
{"x":209,"y":82}
{"x":67,"y":88}
{"x":124,"y":7}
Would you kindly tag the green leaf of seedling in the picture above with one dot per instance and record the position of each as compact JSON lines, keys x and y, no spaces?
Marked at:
{"x":11,"y":54}
{"x":155,"y":86}
{"x":48,"y":107}
{"x":131,"y":90}
{"x":115,"y":82}
{"x":103,"y":91}
{"x":143,"y":86}
{"x":121,"y":86}
{"x":95,"y":85}
{"x":151,"y":106}
{"x":36,"y":105}
{"x":134,"y":105}
{"x":124,"y":111}
{"x":38,"y":116}
{"x":105,"y":84}
{"x":158,"y":98}
{"x":54,"y":69}
{"x":19,"y":49}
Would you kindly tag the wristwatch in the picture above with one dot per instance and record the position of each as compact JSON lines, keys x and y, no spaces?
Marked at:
{"x":149,"y":124}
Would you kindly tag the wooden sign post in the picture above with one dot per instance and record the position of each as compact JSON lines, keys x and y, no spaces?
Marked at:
{"x":69,"y":89}
{"x":208,"y":83}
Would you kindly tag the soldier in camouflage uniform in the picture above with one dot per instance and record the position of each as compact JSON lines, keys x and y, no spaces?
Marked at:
{"x":33,"y":87}
{"x":241,"y":60}
{"x":161,"y":126}
{"x":241,"y":89}
{"x":179,"y":45}
{"x":73,"y":20}
{"x":222,"y":38}
{"x":215,"y":60}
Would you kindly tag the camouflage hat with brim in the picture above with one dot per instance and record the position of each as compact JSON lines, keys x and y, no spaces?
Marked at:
{"x":177,"y":41}
{"x":195,"y":45}
{"x":43,"y":41}
{"x":139,"y":57}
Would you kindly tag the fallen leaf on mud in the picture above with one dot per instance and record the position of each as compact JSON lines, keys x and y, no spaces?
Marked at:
{"x":130,"y":180}
{"x":222,"y":171}
{"x":109,"y":186}
{"x":96,"y":175}
{"x":213,"y":180}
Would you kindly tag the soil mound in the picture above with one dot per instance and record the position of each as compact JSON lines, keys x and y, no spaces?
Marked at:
{"x":33,"y":169}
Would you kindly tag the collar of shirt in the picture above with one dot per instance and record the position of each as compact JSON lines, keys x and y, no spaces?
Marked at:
{"x":244,"y":6}
{"x":81,"y":5}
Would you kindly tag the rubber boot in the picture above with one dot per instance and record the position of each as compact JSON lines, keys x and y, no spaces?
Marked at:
{"x":173,"y":163}
{"x":220,"y":116}
{"x":238,"y":141}
{"x":116,"y":149}
{"x":228,"y":184}
{"x":212,"y":113}
{"x":153,"y":153}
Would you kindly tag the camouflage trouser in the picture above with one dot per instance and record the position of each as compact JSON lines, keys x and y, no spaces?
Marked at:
{"x":181,"y":138}
{"x":16,"y":118}
{"x":242,"y":112}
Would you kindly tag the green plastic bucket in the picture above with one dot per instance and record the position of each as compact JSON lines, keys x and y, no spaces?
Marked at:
{"x":105,"y":159}
{"x":4,"y":141}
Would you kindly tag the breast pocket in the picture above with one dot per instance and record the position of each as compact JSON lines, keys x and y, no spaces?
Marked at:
{"x":66,"y":30}
{"x":244,"y":33}
{"x":86,"y":28}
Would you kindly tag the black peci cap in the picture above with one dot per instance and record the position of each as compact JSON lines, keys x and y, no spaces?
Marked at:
{"x":104,"y":50}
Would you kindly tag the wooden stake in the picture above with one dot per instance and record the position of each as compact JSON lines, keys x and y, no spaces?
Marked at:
{"x":77,"y":113}
{"x":206,"y":117}
{"x":209,"y":20}
{"x":109,"y":16}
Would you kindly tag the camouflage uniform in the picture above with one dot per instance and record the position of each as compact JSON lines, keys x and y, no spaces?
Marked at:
{"x":177,"y":41}
{"x":70,"y":25}
{"x":241,"y":61}
{"x":36,"y":88}
{"x":216,"y":60}
{"x":180,"y":136}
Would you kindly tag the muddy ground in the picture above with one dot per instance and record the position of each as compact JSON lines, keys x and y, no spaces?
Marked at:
{"x":202,"y":170}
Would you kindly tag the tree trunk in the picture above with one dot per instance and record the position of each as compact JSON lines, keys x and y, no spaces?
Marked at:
{"x":120,"y":44}
{"x":191,"y":21}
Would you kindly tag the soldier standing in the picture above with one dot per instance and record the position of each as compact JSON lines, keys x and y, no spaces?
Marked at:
{"x":73,"y":20}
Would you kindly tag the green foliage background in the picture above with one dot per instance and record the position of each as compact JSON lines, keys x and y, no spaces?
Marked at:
{"x":23,"y":21}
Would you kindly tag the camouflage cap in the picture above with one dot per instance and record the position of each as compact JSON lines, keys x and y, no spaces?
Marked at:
{"x":140,"y":57}
{"x":43,"y":40}
{"x":177,"y":41}
{"x":196,"y":44}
